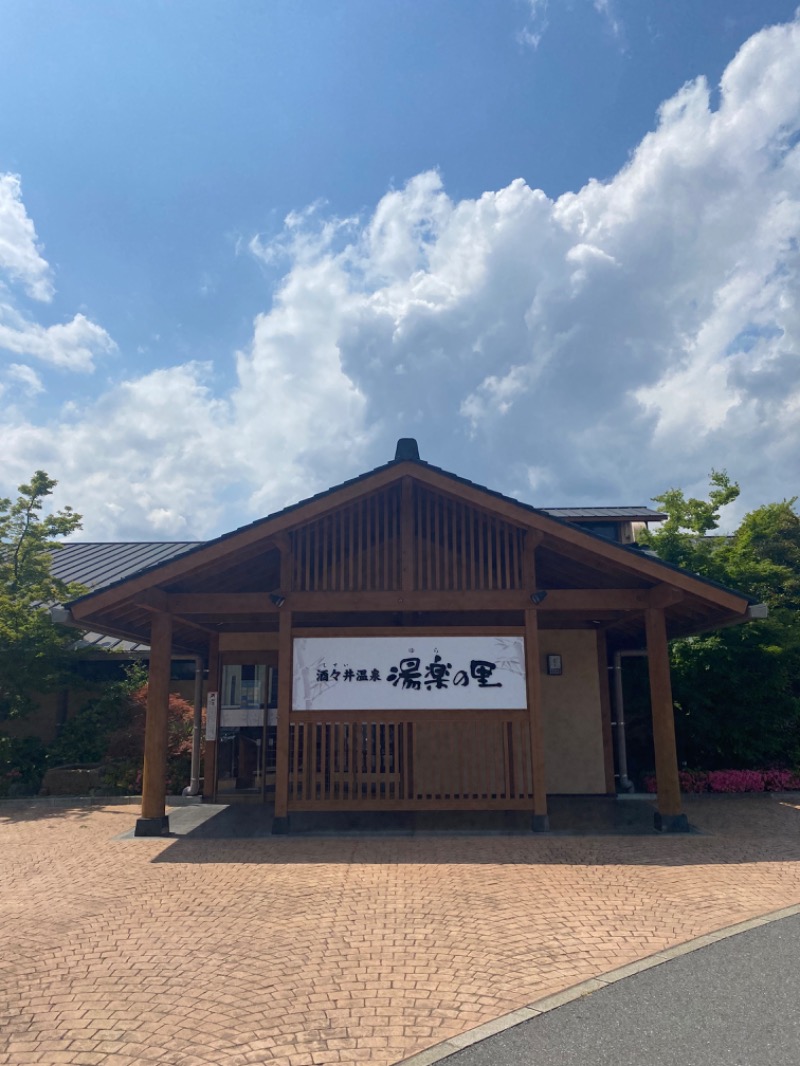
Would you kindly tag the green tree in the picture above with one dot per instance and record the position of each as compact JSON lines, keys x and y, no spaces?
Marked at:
{"x":684,"y":538}
{"x":737,"y":691}
{"x":34,"y":653}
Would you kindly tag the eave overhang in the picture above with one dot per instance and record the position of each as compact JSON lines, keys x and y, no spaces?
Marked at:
{"x":692,"y":604}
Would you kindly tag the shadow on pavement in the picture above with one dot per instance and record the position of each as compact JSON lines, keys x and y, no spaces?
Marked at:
{"x":583,"y":831}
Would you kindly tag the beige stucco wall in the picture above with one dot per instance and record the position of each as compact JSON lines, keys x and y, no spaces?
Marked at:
{"x":573,"y":731}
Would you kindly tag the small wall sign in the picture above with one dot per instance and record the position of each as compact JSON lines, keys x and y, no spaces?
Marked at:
{"x":554,"y":665}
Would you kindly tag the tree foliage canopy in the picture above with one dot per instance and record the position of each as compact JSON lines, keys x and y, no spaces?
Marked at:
{"x":737,"y":691}
{"x":33,"y":651}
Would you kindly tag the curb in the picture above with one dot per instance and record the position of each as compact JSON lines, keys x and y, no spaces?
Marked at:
{"x":449,"y":1047}
{"x":93,"y":801}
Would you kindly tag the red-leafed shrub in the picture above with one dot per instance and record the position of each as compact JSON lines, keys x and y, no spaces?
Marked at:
{"x":128,"y":740}
{"x":781,"y":780}
{"x":125,"y":747}
{"x":693,"y":781}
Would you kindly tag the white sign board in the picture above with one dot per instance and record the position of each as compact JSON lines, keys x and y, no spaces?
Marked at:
{"x":408,"y":673}
{"x":212,"y":703}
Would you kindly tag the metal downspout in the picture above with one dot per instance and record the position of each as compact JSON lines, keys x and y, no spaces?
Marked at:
{"x":193,"y":788}
{"x":625,"y":782}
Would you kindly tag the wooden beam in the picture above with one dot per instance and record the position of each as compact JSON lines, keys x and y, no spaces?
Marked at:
{"x":158,"y":600}
{"x":595,"y":600}
{"x":533,"y":538}
{"x":400,"y":631}
{"x":258,"y":603}
{"x":667,"y":780}
{"x":284,"y":544}
{"x":208,"y":603}
{"x":280,"y":823}
{"x":487,"y":600}
{"x":605,"y":710}
{"x":533,"y":680}
{"x":248,"y":642}
{"x":154,"y":778}
{"x":214,"y":679}
{"x":664,"y":596}
{"x":152,"y":600}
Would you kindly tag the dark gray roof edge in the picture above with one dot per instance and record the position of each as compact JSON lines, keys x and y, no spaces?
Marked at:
{"x":606,"y":513}
{"x":636,"y":550}
{"x":201,"y":545}
{"x":128,"y":543}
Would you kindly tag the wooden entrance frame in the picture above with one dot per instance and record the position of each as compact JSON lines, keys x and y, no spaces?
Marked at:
{"x":408,"y":547}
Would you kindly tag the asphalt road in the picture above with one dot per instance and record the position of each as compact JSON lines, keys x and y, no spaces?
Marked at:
{"x":735,"y":1003}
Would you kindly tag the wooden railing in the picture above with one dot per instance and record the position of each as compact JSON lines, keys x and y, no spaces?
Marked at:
{"x":423,"y":760}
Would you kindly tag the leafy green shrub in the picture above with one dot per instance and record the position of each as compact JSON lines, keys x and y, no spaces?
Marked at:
{"x":124,"y":752}
{"x":22,"y":765}
{"x":110,"y":731}
{"x":85,"y":737}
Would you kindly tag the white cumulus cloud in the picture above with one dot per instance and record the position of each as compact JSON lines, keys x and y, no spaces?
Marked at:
{"x":594,"y":348}
{"x":20,"y":255}
{"x":72,"y":345}
{"x":26,"y":378}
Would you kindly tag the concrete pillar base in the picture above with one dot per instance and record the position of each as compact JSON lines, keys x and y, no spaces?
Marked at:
{"x":671,"y":823}
{"x":540,"y":823}
{"x":280,"y":826}
{"x":152,"y":827}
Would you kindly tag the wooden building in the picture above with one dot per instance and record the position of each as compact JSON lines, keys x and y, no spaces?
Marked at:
{"x":408,"y":641}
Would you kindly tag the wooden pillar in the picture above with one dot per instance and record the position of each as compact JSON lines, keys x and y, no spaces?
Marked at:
{"x":280,"y":822}
{"x":533,"y":680}
{"x":154,"y":820}
{"x":605,"y":711}
{"x":211,"y":748}
{"x":668,"y":816}
{"x":533,"y":676}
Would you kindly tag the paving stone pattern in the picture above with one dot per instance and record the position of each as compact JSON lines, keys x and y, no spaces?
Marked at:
{"x":295,"y":952}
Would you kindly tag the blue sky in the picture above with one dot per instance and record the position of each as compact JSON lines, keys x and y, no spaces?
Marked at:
{"x":245,"y":246}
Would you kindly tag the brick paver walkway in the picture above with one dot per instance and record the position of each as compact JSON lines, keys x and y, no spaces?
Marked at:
{"x":314,"y":951}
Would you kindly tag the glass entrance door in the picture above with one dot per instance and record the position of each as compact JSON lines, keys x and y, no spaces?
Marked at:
{"x":247,"y":728}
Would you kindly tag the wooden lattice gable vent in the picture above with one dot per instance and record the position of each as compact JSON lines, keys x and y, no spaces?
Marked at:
{"x":461,"y":547}
{"x":354,"y":548}
{"x":452,"y":545}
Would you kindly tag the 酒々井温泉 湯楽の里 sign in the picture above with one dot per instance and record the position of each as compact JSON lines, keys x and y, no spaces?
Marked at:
{"x":408,"y":673}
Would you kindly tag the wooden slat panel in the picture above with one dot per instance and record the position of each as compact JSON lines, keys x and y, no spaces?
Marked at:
{"x":481,"y":522}
{"x":363,"y":543}
{"x":388,"y":538}
{"x":437,"y":541}
{"x":475,"y":760}
{"x":506,"y":532}
{"x":394,"y":511}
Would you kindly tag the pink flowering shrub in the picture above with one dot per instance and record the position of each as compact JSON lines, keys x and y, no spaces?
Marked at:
{"x":733,"y":781}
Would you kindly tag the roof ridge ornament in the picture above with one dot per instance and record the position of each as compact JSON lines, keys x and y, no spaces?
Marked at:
{"x":407,"y":448}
